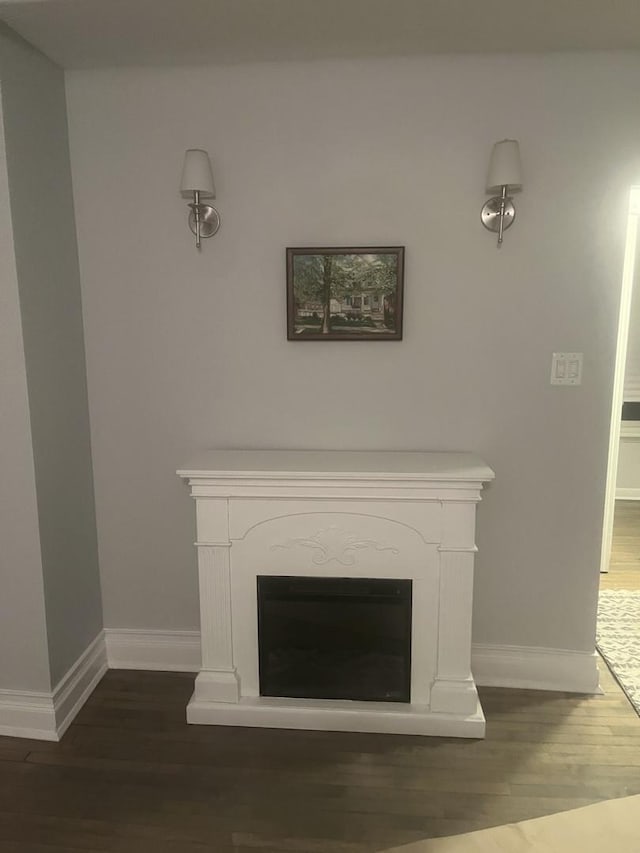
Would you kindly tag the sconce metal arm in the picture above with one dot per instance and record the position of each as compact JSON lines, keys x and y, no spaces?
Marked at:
{"x":498,"y":213}
{"x":204,"y":220}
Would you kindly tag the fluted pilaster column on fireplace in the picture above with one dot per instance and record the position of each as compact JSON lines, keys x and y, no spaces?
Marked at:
{"x":454,"y":690}
{"x":218,"y":680}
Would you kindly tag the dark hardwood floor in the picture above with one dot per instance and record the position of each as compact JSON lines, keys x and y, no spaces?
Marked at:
{"x":131,"y":776}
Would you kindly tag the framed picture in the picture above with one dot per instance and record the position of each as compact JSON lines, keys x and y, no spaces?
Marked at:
{"x":345,"y":294}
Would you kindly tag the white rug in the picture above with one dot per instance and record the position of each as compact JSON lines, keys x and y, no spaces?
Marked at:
{"x":618,"y":638}
{"x":610,"y":826}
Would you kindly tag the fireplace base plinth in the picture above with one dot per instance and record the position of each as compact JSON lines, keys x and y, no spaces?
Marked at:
{"x":450,"y":696}
{"x":337,"y":715}
{"x":217,"y":687}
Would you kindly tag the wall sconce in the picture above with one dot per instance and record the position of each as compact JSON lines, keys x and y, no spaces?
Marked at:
{"x":505,"y":173}
{"x":197,"y":181}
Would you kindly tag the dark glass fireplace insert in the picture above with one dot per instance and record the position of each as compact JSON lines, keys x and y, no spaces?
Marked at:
{"x":335,"y":638}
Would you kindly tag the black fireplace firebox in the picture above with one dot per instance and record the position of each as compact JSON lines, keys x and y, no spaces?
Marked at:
{"x":335,"y":638}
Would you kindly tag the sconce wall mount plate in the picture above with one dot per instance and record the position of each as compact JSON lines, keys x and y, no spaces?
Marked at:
{"x":490,"y":214}
{"x":209,"y":220}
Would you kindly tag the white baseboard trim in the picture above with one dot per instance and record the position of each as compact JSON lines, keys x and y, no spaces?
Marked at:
{"x":168,"y":651}
{"x":73,"y":690}
{"x":532,"y":668}
{"x":25,"y":713}
{"x":628,"y":494}
{"x":629,"y":431}
{"x":493,"y":666}
{"x":632,"y":389}
{"x":47,"y":716}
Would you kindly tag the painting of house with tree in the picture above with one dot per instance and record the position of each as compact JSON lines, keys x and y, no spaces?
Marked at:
{"x":345,"y":294}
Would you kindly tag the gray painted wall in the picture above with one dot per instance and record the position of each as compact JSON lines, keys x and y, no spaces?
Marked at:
{"x":24,"y":663}
{"x":46,"y":258}
{"x":188,"y":350}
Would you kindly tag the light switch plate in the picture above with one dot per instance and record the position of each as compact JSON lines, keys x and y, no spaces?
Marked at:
{"x":566,"y":368}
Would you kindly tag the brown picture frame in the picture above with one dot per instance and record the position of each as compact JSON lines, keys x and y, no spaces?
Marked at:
{"x":345,"y":293}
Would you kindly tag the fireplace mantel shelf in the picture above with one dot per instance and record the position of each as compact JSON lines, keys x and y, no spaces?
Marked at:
{"x":403,"y":515}
{"x":411,"y":466}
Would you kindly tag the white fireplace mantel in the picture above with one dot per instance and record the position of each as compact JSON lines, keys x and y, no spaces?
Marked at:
{"x":407,"y":515}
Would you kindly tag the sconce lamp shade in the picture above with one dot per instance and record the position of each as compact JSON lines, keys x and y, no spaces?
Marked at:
{"x":505,"y":168}
{"x":196,"y":174}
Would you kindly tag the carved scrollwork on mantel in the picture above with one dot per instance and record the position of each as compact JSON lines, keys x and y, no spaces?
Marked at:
{"x":334,"y":543}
